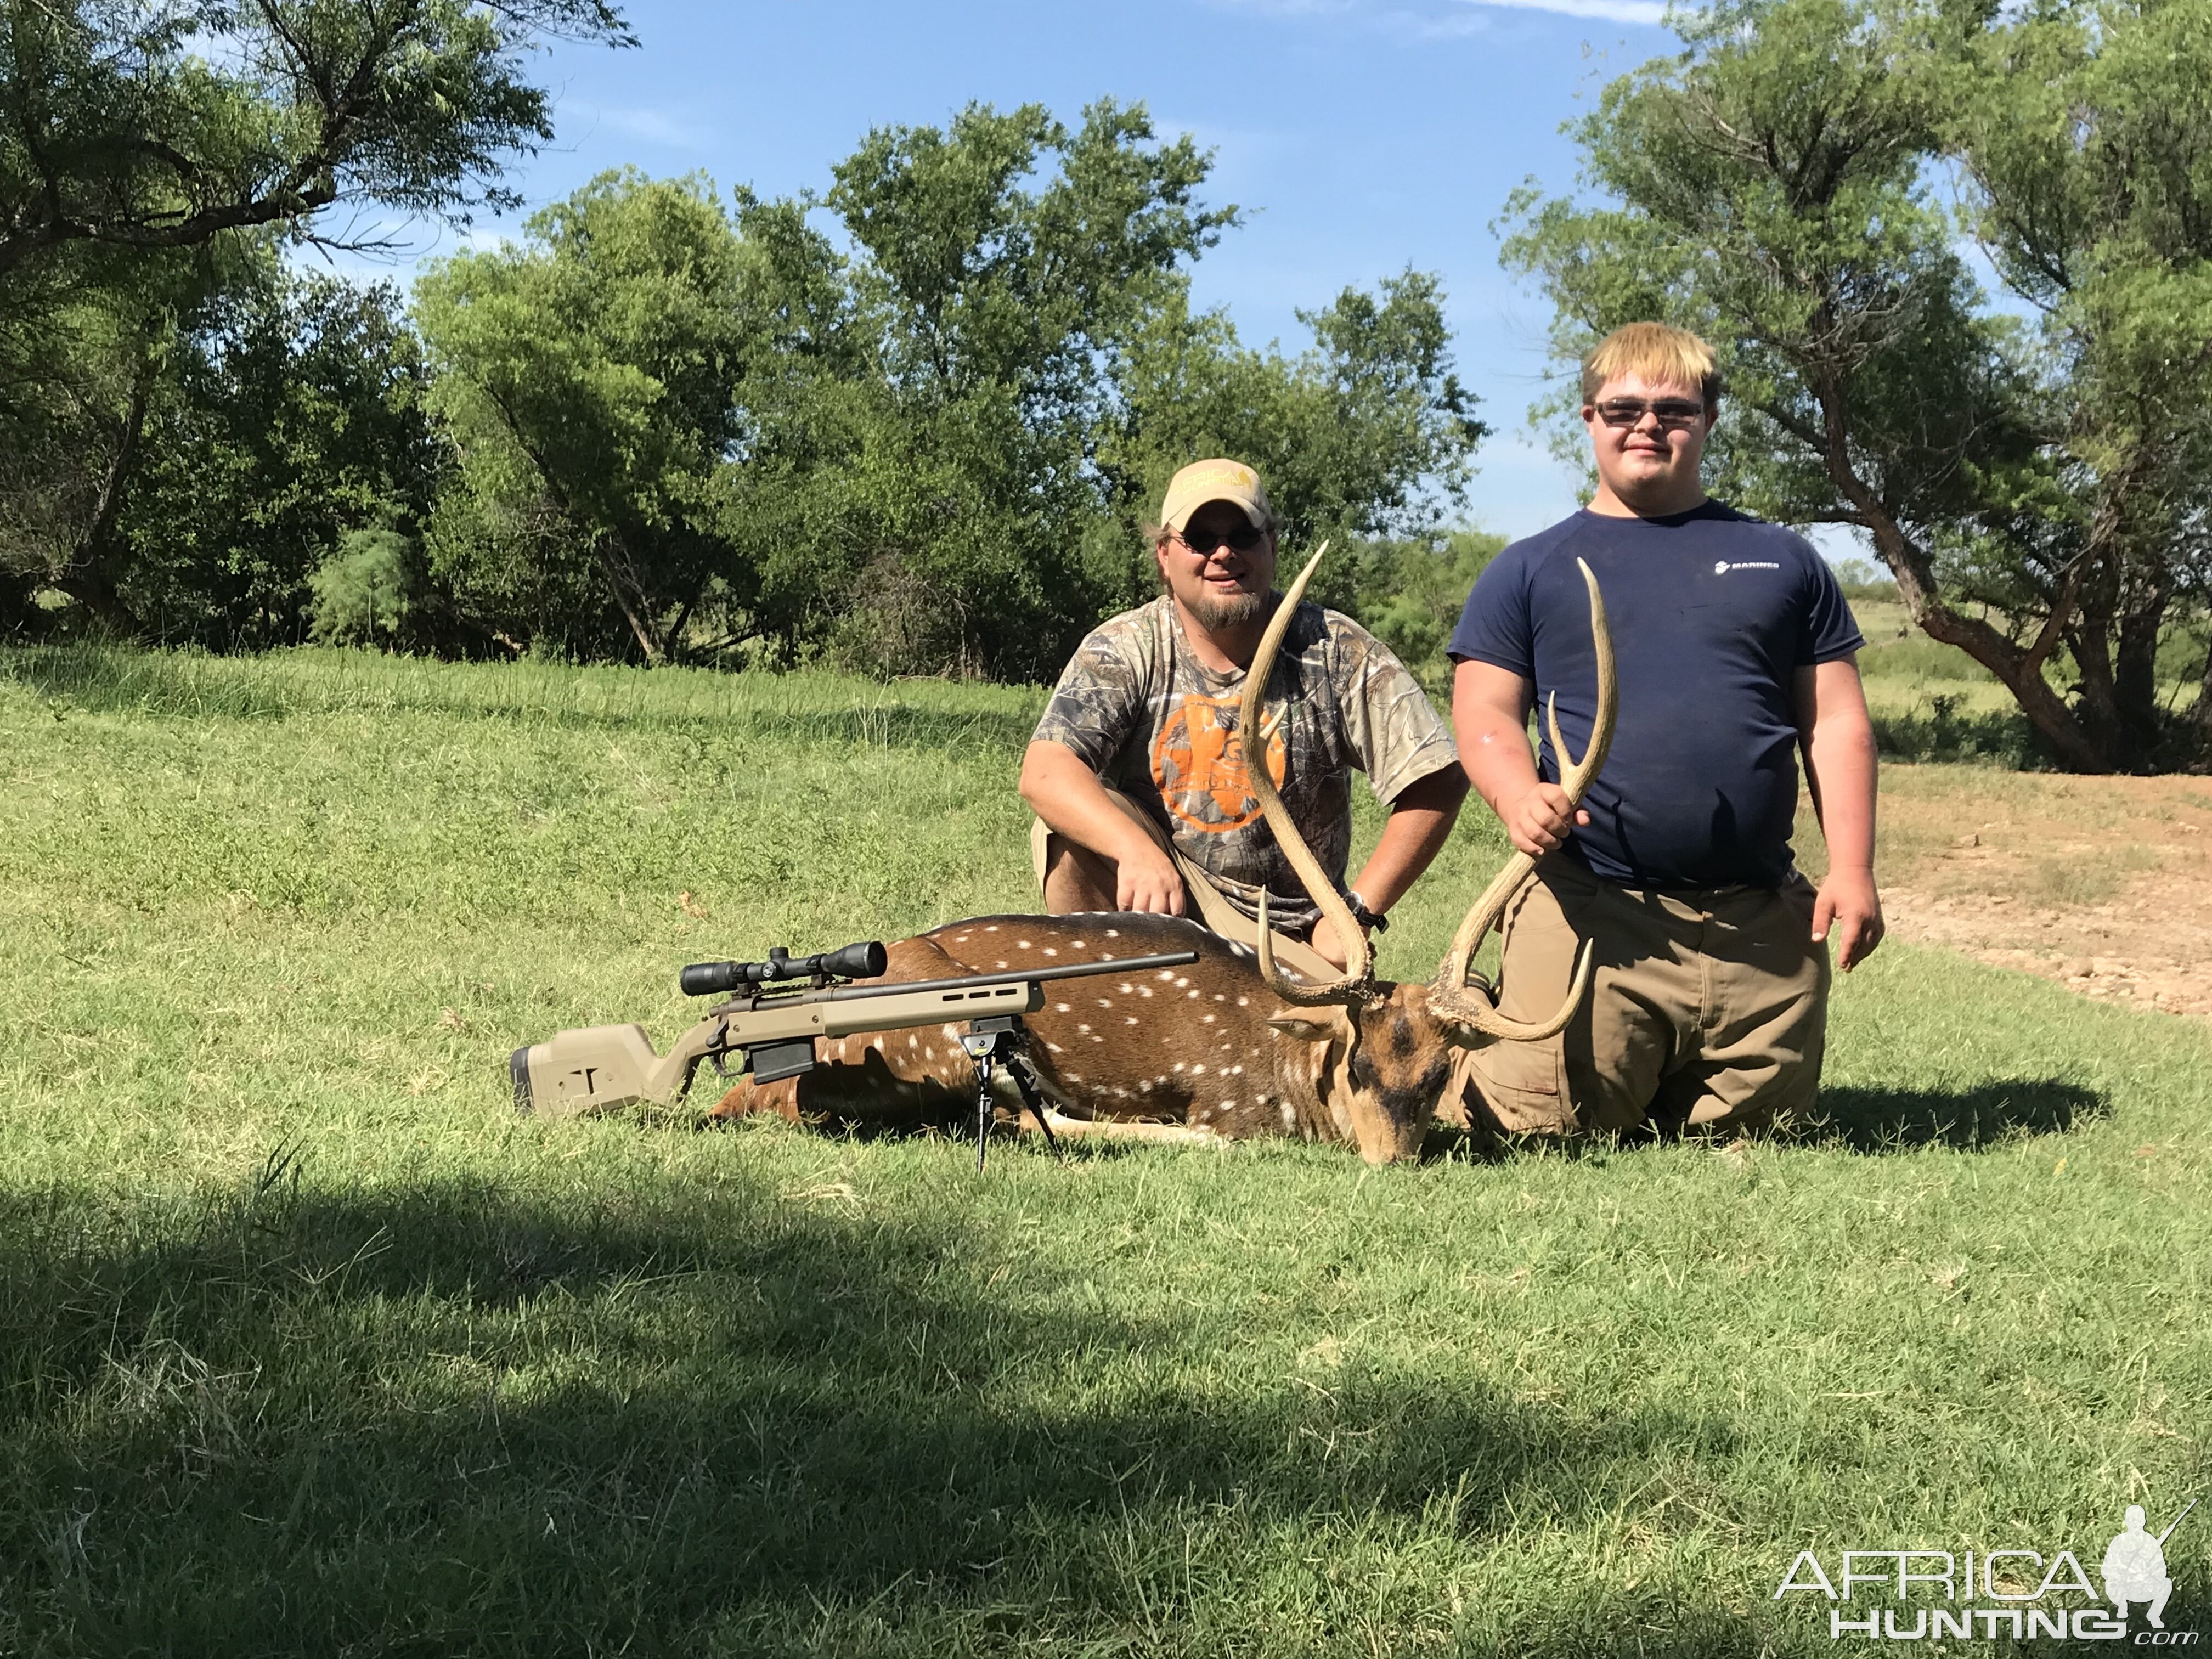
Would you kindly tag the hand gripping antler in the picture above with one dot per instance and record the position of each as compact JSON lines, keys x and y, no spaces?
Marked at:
{"x":1358,"y":984}
{"x":1451,"y":997}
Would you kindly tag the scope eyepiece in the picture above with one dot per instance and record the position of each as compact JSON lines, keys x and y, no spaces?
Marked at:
{"x":866,"y":960}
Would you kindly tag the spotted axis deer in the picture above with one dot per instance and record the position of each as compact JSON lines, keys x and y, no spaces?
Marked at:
{"x":1230,"y":1047}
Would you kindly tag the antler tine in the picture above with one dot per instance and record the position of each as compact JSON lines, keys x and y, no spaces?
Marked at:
{"x":1449,"y":996}
{"x":1358,"y":981}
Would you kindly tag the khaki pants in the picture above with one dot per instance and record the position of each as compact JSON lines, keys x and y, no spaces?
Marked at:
{"x":1206,"y":904}
{"x":1708,"y":1010}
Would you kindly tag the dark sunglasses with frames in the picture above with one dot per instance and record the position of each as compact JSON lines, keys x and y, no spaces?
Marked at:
{"x":1672,"y":412}
{"x":1243,"y":538}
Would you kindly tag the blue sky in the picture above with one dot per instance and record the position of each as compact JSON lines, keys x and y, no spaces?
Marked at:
{"x":1359,"y":136}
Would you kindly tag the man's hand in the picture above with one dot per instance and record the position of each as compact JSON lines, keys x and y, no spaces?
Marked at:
{"x":1328,"y":945}
{"x":1540,"y":818}
{"x":1148,"y":879}
{"x":1847,"y":898}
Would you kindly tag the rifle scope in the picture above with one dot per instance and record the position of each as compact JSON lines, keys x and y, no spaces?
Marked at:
{"x":863,"y":961}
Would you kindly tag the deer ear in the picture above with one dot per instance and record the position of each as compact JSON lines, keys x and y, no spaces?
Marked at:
{"x":1305,"y":1029}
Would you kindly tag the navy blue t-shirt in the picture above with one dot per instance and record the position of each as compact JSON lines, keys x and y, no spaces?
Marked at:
{"x":1713,"y":613}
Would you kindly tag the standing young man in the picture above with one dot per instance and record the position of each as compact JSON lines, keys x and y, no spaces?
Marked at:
{"x":1735,"y":650}
{"x":1137,"y":772}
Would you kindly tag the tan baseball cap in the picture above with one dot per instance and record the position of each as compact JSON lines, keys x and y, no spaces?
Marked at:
{"x":1214,"y":481}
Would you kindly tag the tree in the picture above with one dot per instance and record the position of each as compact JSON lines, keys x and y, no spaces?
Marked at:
{"x":587,"y":379}
{"x":2086,"y":131}
{"x":1368,"y":435}
{"x":83,"y":356}
{"x":1773,"y":187}
{"x":150,"y":151}
{"x":146,"y":124}
{"x":990,"y":315}
{"x":289,"y":417}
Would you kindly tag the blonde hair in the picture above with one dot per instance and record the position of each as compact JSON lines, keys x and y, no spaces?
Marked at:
{"x":1656,"y":352}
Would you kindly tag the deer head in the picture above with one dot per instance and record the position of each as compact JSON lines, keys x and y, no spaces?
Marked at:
{"x":1381,"y":1054}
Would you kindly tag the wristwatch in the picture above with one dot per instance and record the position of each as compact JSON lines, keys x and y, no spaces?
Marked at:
{"x":1362,"y":915}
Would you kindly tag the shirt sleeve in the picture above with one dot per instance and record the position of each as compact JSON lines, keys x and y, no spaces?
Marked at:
{"x":1495,"y":627}
{"x":1099,"y":700}
{"x":1829,"y":630}
{"x":1388,"y":722}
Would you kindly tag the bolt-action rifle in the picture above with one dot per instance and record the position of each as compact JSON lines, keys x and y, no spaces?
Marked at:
{"x":778,"y":1009}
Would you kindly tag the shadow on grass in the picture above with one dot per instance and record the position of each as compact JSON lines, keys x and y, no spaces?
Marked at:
{"x":720,"y":1418}
{"x":1852,"y":1116}
{"x":111,"y":679}
{"x":1879,"y":1120}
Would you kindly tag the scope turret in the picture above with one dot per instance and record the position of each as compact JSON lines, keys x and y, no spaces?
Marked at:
{"x":866,"y":960}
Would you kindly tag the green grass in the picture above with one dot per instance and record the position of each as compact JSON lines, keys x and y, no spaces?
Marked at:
{"x":308,"y":1344}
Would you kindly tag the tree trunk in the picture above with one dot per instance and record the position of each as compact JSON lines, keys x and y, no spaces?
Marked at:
{"x":93,"y":574}
{"x":626,"y":596}
{"x":2135,"y":679}
{"x":2020,"y":671}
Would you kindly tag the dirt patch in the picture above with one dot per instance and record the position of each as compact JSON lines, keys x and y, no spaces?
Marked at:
{"x":2102,"y":883}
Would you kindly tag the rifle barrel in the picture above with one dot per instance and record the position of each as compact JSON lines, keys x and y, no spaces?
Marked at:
{"x":2176,"y":1521}
{"x":1005,"y":976}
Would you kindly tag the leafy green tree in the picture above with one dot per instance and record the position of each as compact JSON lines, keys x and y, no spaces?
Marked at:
{"x":1368,"y":435}
{"x":586,"y":377}
{"x":1774,"y":187}
{"x":990,"y":314}
{"x":87,"y":356}
{"x":291,"y":417}
{"x":146,"y":124}
{"x":149,"y":150}
{"x":2086,"y":132}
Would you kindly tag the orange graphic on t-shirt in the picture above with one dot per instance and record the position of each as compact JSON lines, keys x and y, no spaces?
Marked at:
{"x":1198,"y":764}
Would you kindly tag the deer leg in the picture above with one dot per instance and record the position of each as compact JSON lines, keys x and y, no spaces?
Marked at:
{"x":1160,"y":1134}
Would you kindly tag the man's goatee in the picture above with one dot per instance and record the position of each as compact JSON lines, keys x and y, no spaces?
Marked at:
{"x":1215,"y":614}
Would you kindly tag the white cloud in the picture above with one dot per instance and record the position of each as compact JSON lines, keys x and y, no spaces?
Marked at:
{"x":1459,"y":17}
{"x":1649,"y":13}
{"x":653,"y":126}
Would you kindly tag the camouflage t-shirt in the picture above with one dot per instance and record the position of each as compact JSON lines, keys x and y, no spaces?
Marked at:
{"x":1156,"y":723}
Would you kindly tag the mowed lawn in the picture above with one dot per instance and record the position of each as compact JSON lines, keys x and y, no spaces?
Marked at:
{"x":309,"y":1344}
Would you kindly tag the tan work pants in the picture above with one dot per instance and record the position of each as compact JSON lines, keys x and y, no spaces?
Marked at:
{"x":1708,"y":1010}
{"x":1206,"y":903}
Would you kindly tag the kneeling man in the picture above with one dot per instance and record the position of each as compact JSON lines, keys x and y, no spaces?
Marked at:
{"x":1136,"y":772}
{"x":1735,"y":650}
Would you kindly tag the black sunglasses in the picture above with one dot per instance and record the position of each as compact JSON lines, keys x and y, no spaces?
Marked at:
{"x":1243,"y":538}
{"x":1676,"y":412}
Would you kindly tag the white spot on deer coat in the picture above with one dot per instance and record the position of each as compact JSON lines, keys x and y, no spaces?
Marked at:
{"x":1060,"y":1007}
{"x":1054,"y":1046}
{"x":1243,"y":1002}
{"x":1197,"y":1071}
{"x":1130,"y":1019}
{"x":1083,"y":1028}
{"x":1113,"y":932}
{"x":1228,"y":1106}
{"x":992,"y":928}
{"x":1207,"y":1020}
{"x":1050,"y":952}
{"x":1290,"y":1117}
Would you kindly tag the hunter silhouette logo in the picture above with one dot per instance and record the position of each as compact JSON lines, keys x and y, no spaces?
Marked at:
{"x":1197,"y":765}
{"x":2135,"y":1566}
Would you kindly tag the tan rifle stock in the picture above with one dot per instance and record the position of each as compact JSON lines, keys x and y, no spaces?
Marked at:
{"x":600,"y":1067}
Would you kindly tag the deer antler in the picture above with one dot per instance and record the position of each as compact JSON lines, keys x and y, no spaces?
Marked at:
{"x":1358,"y":984}
{"x":1449,"y":996}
